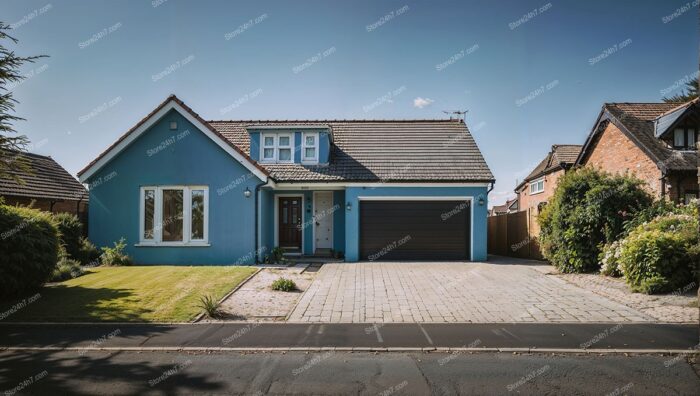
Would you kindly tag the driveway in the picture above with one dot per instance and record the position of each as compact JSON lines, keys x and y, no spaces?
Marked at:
{"x":507,"y":291}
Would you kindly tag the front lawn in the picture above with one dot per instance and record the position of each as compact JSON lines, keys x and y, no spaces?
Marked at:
{"x":139,"y":294}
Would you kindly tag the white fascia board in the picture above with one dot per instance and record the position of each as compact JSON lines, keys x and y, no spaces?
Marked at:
{"x":172,"y":105}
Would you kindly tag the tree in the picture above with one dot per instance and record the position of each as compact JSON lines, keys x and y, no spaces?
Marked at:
{"x":690,"y":93}
{"x":10,"y":141}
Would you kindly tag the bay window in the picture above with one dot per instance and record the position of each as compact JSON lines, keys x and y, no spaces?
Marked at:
{"x":174,"y":215}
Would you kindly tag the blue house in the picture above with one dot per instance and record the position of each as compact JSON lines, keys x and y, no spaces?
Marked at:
{"x":182,"y":190}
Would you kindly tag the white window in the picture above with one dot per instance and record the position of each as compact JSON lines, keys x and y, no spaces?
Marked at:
{"x":537,"y":186}
{"x":277,"y":147}
{"x":309,"y":147}
{"x":174,"y":215}
{"x":679,"y":137}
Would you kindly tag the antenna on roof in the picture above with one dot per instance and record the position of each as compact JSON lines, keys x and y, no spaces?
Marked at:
{"x":459,"y":113}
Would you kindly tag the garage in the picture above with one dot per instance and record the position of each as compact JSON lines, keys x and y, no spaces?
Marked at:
{"x":415,"y":230}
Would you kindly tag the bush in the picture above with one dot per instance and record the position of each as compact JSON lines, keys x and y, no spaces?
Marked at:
{"x":70,"y":230}
{"x":587,"y":211}
{"x":115,"y":256}
{"x":661,"y":256}
{"x":284,"y":284}
{"x":89,"y":254}
{"x":67,"y":268}
{"x":610,"y":260}
{"x":210,"y":306}
{"x":29,"y":246}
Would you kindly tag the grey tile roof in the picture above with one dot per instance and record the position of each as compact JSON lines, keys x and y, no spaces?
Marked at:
{"x":46,"y":179}
{"x":638,"y":119}
{"x":561,"y":156}
{"x":380,"y":150}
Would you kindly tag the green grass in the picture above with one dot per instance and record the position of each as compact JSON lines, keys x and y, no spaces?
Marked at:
{"x":139,"y":294}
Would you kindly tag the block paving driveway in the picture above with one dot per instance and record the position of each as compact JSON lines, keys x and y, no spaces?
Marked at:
{"x":371,"y":292}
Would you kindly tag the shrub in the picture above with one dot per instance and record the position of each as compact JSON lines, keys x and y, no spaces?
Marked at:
{"x":29,"y":245}
{"x":660,"y":256}
{"x":115,"y":256}
{"x":70,"y":230}
{"x":67,"y":268}
{"x":89,"y":254}
{"x":660,"y":207}
{"x":210,"y":306}
{"x":276,"y":256}
{"x":610,"y":260}
{"x":284,"y":284}
{"x":587,"y":211}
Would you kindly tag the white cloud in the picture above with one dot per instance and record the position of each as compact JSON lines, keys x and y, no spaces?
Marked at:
{"x":422,"y":102}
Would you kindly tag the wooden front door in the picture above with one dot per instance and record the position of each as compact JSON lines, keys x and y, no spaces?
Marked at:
{"x":290,"y":222}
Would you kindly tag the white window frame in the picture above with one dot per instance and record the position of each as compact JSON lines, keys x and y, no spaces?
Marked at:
{"x":186,"y":221}
{"x":533,"y":186}
{"x":276,"y":147}
{"x":304,"y":146}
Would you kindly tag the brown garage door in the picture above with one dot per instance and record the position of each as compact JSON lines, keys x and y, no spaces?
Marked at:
{"x":414,"y":230}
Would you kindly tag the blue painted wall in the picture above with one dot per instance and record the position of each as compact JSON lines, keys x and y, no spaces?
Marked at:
{"x":339,"y":221}
{"x":191,"y":159}
{"x":352,"y":219}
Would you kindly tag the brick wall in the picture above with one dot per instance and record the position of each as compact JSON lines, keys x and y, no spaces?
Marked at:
{"x":614,"y":152}
{"x":527,"y":201}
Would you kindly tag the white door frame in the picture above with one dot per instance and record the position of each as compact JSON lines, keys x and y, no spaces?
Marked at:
{"x":313,"y":216}
{"x":277,"y":217}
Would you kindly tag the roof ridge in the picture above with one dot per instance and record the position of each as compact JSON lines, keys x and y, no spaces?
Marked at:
{"x":346,"y":120}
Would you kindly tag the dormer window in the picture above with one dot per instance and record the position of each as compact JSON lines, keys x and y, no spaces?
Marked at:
{"x":277,"y":147}
{"x":684,"y":138}
{"x":309,"y":148}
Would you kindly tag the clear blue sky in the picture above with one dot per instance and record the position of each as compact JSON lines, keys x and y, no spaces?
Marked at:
{"x":528,"y":81}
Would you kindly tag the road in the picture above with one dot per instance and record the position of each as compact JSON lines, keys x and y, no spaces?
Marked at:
{"x":275,"y":335}
{"x":100,"y":372}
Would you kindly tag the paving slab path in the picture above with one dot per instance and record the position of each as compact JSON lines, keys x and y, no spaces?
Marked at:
{"x":499,"y":291}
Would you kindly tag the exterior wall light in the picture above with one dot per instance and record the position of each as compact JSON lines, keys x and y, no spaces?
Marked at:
{"x":247,"y":192}
{"x":348,"y":206}
{"x":481,"y":200}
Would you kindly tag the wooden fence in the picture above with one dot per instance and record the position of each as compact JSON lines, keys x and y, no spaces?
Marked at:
{"x":515,"y":235}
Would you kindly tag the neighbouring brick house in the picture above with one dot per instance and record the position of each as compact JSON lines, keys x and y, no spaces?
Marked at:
{"x":511,"y":206}
{"x":538,"y":187}
{"x":47,"y":185}
{"x":656,"y":142}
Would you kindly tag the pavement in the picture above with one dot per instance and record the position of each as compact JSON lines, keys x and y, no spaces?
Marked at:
{"x":500,"y":291}
{"x":336,"y":373}
{"x":357,"y":336}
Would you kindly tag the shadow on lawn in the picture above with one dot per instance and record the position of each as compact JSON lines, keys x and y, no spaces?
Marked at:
{"x":95,"y":372}
{"x":62,"y":303}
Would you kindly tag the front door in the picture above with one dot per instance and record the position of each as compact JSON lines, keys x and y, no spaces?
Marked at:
{"x":323,"y":220}
{"x":290,"y":223}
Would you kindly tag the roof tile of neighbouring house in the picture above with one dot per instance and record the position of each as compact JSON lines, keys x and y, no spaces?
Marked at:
{"x":638,"y":119}
{"x":46,"y":179}
{"x":380,"y":150}
{"x":561,"y":156}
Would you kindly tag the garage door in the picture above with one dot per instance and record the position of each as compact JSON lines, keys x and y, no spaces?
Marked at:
{"x":414,"y":230}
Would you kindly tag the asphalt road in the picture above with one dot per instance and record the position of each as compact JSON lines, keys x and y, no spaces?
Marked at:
{"x":286,"y":335}
{"x":99,"y":372}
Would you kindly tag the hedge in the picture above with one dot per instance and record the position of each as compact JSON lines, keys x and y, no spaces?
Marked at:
{"x":29,"y":246}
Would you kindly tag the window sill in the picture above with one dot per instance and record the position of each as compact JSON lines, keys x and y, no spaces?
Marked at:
{"x":172,"y":244}
{"x":535,"y":193}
